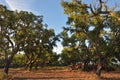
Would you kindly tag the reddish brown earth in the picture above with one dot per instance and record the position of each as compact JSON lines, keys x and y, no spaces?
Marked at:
{"x":60,"y":74}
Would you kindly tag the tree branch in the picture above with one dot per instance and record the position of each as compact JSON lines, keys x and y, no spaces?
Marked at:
{"x":9,"y":40}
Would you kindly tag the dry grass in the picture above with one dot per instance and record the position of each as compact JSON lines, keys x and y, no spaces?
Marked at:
{"x":60,"y":74}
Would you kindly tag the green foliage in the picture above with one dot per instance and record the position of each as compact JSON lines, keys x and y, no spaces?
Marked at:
{"x":69,"y":56}
{"x":24,"y":31}
{"x":18,"y":61}
{"x":99,"y":44}
{"x":1,"y":62}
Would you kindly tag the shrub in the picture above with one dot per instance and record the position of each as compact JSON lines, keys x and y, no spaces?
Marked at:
{"x":3,"y":75}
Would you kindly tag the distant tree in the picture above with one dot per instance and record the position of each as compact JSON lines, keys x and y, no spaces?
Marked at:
{"x":18,"y":61}
{"x":70,"y":54}
{"x":75,"y":47}
{"x":44,"y":42}
{"x":55,"y":60}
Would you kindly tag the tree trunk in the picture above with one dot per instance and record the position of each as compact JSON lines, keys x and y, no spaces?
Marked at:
{"x":26,"y":66}
{"x":84,"y":66}
{"x":7,"y":63}
{"x":99,"y":68}
{"x":6,"y":67}
{"x":30,"y":65}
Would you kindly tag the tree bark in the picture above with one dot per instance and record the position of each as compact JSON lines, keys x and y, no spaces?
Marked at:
{"x":30,"y":66}
{"x":84,"y":66}
{"x":7,"y":63}
{"x":6,"y":67}
{"x":99,"y":68}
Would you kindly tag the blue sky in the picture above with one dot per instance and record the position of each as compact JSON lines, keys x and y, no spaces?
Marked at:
{"x":51,"y":10}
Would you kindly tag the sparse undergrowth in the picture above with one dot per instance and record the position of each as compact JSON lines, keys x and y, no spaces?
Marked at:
{"x":57,"y":73}
{"x":2,"y":75}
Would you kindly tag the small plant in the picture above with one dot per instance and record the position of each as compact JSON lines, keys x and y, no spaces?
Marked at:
{"x":2,"y":75}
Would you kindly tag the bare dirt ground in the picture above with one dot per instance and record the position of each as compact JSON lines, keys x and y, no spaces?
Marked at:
{"x":60,"y":74}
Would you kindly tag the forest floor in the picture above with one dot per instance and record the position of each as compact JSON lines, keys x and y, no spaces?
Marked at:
{"x":59,"y":74}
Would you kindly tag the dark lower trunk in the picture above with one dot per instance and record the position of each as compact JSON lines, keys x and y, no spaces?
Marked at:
{"x":30,"y":66}
{"x":85,"y":66}
{"x":7,"y":63}
{"x":26,"y":66}
{"x":98,"y":72}
{"x":99,"y":68}
{"x":6,"y":67}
